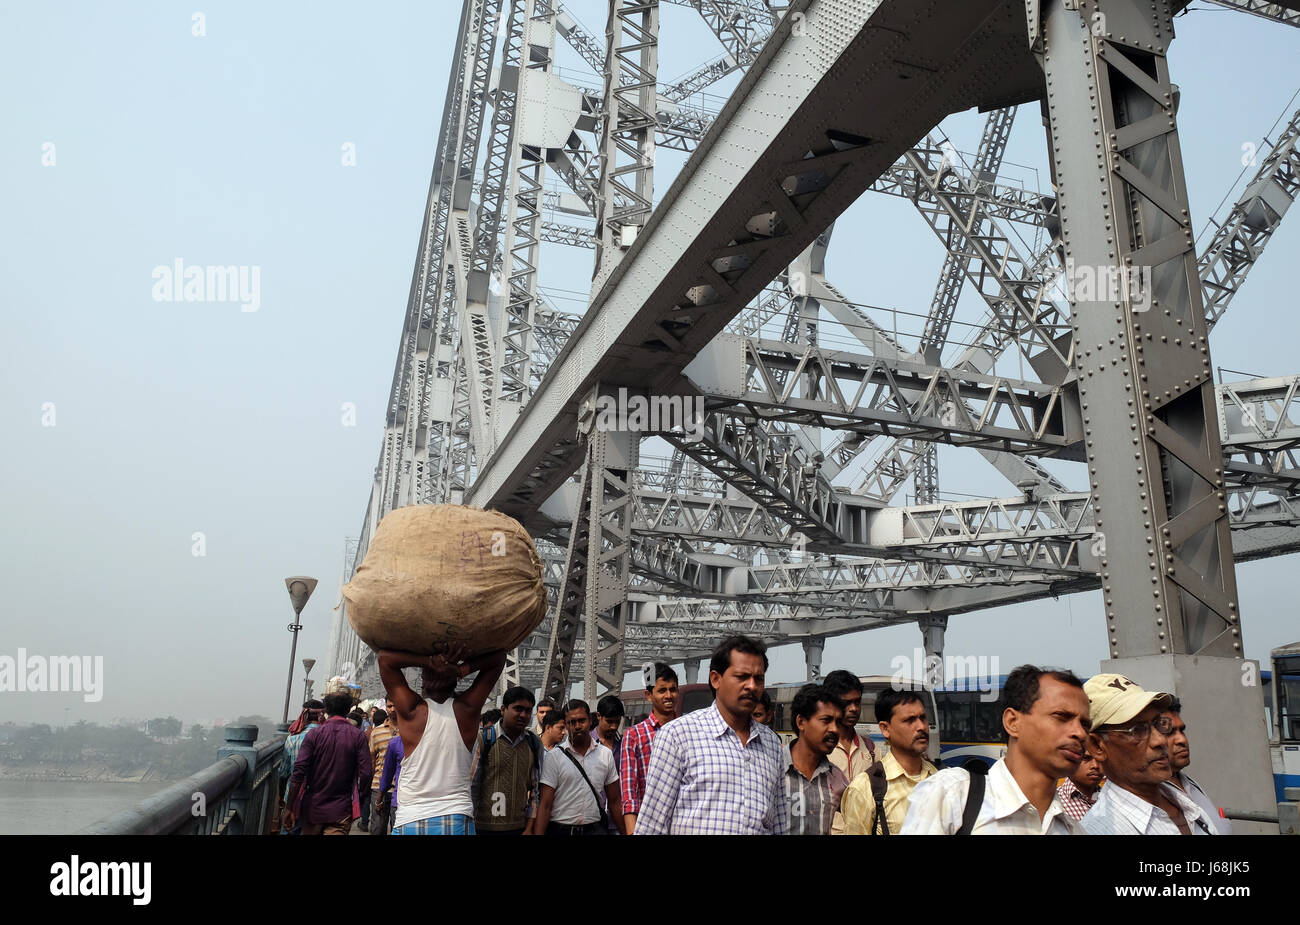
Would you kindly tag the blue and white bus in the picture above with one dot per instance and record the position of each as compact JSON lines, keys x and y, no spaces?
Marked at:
{"x":1282,"y":706}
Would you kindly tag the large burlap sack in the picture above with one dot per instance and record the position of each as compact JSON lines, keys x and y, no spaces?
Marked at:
{"x":447,"y":573}
{"x":340,"y":685}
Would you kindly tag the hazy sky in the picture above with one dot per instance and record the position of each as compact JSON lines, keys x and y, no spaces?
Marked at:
{"x":131,"y":142}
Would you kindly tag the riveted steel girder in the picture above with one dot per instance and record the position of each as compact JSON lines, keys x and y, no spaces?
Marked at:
{"x":1145,"y":386}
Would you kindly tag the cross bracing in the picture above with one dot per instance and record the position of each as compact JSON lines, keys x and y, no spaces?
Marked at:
{"x":780,"y":519}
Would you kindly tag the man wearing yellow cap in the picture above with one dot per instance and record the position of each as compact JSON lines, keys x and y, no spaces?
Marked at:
{"x":1130,"y":739}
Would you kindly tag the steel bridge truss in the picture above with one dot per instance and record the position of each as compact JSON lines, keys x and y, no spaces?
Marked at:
{"x":773,"y":515}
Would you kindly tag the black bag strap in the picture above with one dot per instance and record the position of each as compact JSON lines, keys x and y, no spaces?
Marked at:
{"x":604,"y":822}
{"x":881,"y":825}
{"x":879,"y":787}
{"x":974,"y":800}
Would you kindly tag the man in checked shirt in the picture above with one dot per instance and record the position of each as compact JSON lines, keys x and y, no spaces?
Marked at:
{"x":661,"y":688}
{"x":716,"y":771}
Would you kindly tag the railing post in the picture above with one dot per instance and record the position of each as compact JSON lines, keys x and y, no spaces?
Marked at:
{"x":239,"y":741}
{"x":1288,"y":812}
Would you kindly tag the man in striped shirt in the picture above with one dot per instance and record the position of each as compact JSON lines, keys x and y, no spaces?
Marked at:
{"x":661,"y":689}
{"x":814,"y":786}
{"x":716,"y":771}
{"x":370,"y":802}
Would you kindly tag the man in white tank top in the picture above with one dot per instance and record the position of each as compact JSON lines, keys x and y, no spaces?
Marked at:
{"x":439,"y":731}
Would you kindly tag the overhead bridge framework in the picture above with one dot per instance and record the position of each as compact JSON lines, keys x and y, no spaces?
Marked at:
{"x":775,"y":512}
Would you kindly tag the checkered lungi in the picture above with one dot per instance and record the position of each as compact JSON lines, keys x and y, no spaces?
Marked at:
{"x":455,"y":824}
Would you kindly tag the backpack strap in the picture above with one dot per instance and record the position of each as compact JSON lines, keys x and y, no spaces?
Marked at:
{"x":974,"y":800}
{"x":879,"y":787}
{"x":487,"y":738}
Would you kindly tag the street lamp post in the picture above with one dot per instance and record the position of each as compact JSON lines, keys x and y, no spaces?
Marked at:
{"x":300,"y":589}
{"x":307,"y":665}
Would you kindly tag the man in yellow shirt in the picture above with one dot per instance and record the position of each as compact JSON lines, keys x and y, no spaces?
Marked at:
{"x":906,"y":728}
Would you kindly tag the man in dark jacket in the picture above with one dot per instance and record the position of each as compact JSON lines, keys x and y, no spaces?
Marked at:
{"x":333,"y":764}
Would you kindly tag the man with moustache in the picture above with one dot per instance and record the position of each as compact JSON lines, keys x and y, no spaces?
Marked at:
{"x":814,"y":786}
{"x":716,"y":771}
{"x":577,"y":781}
{"x":1130,"y":737}
{"x":905,"y":726}
{"x":1180,"y":756}
{"x":1079,"y":791}
{"x":1045,"y":715}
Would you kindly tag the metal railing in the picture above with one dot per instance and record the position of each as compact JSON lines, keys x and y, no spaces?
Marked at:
{"x":238,"y":795}
{"x":1287,"y":817}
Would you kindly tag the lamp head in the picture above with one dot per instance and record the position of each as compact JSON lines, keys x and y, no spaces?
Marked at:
{"x":300,"y":589}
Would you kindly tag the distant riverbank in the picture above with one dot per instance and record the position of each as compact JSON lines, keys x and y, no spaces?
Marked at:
{"x":85,"y":772}
{"x":61,"y":807}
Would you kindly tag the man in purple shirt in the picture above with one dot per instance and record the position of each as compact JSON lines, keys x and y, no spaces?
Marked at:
{"x":388,"y":781}
{"x":333,"y":763}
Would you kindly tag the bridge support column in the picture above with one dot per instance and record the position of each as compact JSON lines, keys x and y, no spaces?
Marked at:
{"x":509,"y":678}
{"x":596,"y":568}
{"x":812,"y":657}
{"x":239,"y":741}
{"x":691,"y":670}
{"x":627,"y":131}
{"x":1142,"y":362}
{"x":933,"y":627}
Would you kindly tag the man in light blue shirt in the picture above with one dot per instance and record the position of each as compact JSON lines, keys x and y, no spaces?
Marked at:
{"x":1180,"y":756}
{"x":1130,"y":737}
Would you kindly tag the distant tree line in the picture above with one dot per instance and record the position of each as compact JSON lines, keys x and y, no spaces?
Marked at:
{"x":123,"y":749}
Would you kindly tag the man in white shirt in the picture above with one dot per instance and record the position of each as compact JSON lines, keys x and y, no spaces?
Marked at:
{"x":1130,"y":737}
{"x":1180,"y":756}
{"x":572,"y":775}
{"x":1045,"y":716}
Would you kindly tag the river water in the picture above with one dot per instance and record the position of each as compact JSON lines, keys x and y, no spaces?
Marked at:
{"x":33,"y":807}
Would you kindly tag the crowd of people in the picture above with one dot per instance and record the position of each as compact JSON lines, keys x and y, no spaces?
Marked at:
{"x":1101,"y":757}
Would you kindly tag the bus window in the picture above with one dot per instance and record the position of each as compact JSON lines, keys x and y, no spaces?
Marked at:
{"x":1288,"y":706}
{"x":957,"y":716}
{"x":988,"y":719}
{"x":1266,"y":684}
{"x":695,"y":700}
